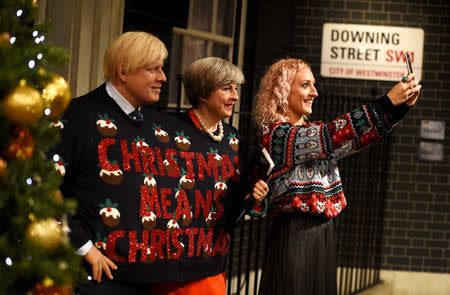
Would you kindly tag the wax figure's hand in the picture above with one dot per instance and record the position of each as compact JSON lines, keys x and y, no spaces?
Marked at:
{"x":260,"y":190}
{"x":406,"y":91}
{"x":100,"y":263}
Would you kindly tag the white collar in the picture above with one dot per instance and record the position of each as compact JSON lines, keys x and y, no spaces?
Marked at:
{"x":124,"y":104}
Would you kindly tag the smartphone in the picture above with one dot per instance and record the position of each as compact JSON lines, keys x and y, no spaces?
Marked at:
{"x":408,"y":62}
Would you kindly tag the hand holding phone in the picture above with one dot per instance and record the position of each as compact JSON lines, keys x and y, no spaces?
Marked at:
{"x":408,"y":62}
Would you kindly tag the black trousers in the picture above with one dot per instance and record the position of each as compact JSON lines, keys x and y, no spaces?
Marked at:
{"x":111,"y":287}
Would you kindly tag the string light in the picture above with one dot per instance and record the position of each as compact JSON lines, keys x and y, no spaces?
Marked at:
{"x":39,"y":56}
{"x":8,"y":261}
{"x":29,"y":181}
{"x":35,"y":33}
{"x":12,"y":40}
{"x":56,"y":157}
{"x":42,"y":38}
{"x":89,"y":278}
{"x":37,"y":40}
{"x":47,"y":111}
{"x":19,"y":12}
{"x":31,"y":64}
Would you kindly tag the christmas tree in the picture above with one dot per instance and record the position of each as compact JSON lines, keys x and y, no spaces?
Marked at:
{"x":36,"y":256}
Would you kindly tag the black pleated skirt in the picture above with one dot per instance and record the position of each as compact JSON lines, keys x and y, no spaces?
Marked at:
{"x":300,"y":257}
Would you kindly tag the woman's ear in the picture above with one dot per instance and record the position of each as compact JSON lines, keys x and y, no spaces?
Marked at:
{"x":202,"y":99}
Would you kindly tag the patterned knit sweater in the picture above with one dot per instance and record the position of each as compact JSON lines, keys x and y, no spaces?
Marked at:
{"x":157,"y":198}
{"x":306,"y":175}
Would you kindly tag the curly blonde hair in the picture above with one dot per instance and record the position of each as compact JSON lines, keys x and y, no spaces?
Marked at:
{"x":271,"y":100}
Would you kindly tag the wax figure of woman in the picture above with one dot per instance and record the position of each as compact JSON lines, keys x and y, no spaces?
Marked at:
{"x":150,"y":206}
{"x":211,"y":85}
{"x":305,"y":187}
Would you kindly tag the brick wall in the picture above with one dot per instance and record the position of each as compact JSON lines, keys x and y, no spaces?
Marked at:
{"x":417,"y":216}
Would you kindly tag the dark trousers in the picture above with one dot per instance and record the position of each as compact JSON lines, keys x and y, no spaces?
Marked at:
{"x":111,"y":287}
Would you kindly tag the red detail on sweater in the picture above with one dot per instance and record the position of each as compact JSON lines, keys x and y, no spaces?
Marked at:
{"x":103,"y":154}
{"x":228,"y":169}
{"x":176,"y":242}
{"x":182,"y":205}
{"x":157,"y":242}
{"x":127,"y":156}
{"x":137,"y":246}
{"x":149,"y":199}
{"x":170,"y":157}
{"x":188,"y":156}
{"x":210,"y":168}
{"x":111,"y":245}
{"x":159,"y":160}
{"x":191,"y":232}
{"x":204,"y":242}
{"x":202,"y":203}
{"x":221,"y":245}
{"x":148,"y":160}
{"x":165,"y":202}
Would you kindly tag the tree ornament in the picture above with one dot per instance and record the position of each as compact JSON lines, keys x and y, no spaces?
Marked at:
{"x":4,"y":38}
{"x":23,"y":105}
{"x":56,"y":96}
{"x":58,"y":197}
{"x":45,"y":233}
{"x":3,"y":170}
{"x":47,"y":287}
{"x":21,"y":145}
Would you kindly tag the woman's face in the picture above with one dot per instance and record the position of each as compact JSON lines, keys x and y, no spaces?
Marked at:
{"x":301,"y":97}
{"x":220,"y":102}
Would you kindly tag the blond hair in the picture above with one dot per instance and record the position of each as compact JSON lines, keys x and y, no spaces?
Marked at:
{"x":205,"y":75}
{"x":271,"y":100}
{"x":133,"y":50}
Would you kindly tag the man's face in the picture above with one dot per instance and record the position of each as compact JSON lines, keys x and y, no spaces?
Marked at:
{"x":143,"y":86}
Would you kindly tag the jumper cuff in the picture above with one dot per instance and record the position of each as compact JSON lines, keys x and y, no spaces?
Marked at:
{"x":83,"y":250}
{"x":397,"y":112}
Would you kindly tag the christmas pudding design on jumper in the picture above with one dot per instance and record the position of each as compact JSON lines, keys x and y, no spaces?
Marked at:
{"x":109,"y":213}
{"x":149,"y":219}
{"x":217,"y":157}
{"x":220,"y":186}
{"x":106,"y":126}
{"x":100,"y":243}
{"x":140,"y":142}
{"x":186,"y":220}
{"x":160,"y":134}
{"x":233,"y":142}
{"x":186,"y":182}
{"x":169,"y":165}
{"x":57,"y":124}
{"x":212,"y":217}
{"x":182,"y":141}
{"x":60,"y":166}
{"x":172,"y":224}
{"x":111,"y":176}
{"x":149,"y":181}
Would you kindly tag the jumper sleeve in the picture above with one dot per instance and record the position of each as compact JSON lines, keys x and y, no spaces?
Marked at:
{"x":291,"y":145}
{"x":70,"y":151}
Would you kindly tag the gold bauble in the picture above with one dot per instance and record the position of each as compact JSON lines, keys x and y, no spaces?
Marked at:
{"x":45,"y":233}
{"x":23,"y":105}
{"x":56,"y":96}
